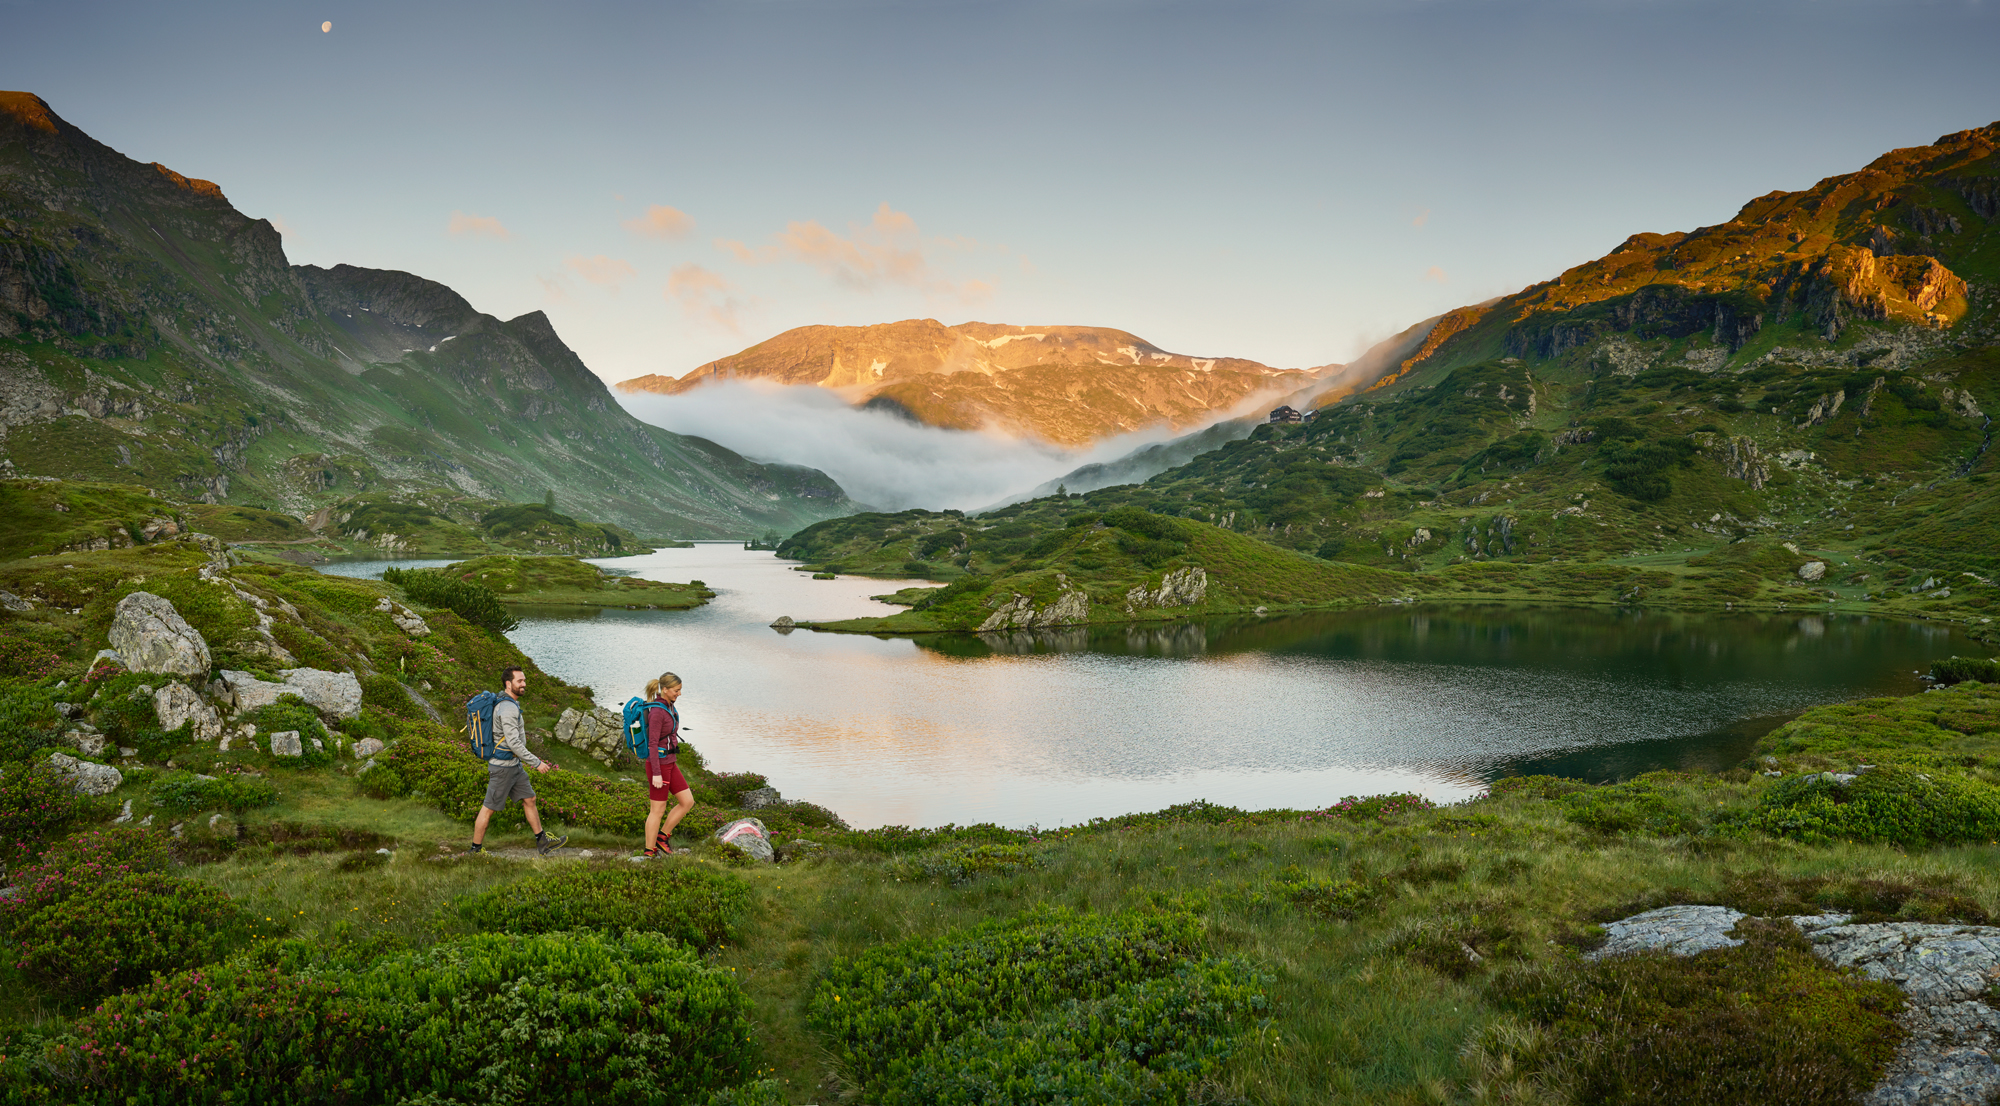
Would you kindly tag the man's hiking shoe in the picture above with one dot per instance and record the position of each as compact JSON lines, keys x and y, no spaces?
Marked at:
{"x":548,"y":845}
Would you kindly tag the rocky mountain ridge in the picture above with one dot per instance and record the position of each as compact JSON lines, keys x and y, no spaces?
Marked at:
{"x":152,"y":334}
{"x":1065,"y":384}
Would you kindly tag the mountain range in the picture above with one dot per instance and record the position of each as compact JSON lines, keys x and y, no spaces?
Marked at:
{"x":152,"y":334}
{"x":1068,"y":385}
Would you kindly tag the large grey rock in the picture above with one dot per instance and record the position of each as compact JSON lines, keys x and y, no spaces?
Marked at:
{"x":177,"y":703}
{"x":1682,"y":930}
{"x":240,"y":691}
{"x":335,"y":693}
{"x":598,"y":732}
{"x":367,"y":747}
{"x":286,"y":743}
{"x":87,"y":778}
{"x":152,"y":637}
{"x":1812,"y":571}
{"x":1069,"y":608}
{"x":14,"y":602}
{"x":760,"y":798}
{"x":88,"y":742}
{"x":749,"y":835}
{"x":1184,"y":588}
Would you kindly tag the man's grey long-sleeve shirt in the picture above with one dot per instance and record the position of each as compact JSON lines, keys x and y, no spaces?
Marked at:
{"x":510,"y":732}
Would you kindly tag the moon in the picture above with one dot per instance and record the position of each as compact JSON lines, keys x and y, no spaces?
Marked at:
{"x":326,"y":26}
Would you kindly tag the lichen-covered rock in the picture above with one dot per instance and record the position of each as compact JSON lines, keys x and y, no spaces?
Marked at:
{"x":87,"y":778}
{"x":177,"y":703}
{"x":1184,"y":588}
{"x":1812,"y":571}
{"x":151,"y":636}
{"x":406,"y":620}
{"x":240,"y":691}
{"x":784,"y":622}
{"x":760,"y":798}
{"x":335,"y":693}
{"x":368,"y":747}
{"x":286,"y":743}
{"x":88,"y":742}
{"x":749,"y":835}
{"x":599,"y":733}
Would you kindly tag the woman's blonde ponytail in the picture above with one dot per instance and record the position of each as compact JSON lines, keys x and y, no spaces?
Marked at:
{"x":667,"y":679}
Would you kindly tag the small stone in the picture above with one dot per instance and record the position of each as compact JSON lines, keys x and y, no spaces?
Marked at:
{"x":124,"y":814}
{"x":367,"y":747}
{"x":176,"y":704}
{"x":760,"y":798}
{"x":286,"y":743}
{"x":89,"y":744}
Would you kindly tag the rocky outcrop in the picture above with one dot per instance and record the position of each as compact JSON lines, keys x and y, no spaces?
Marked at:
{"x":88,"y":742}
{"x":1946,"y":971}
{"x":1825,"y":408}
{"x":151,"y":636}
{"x":1017,"y":611}
{"x":405,"y":619}
{"x":240,"y":691}
{"x":1184,"y":588}
{"x":177,"y":704}
{"x":749,"y":835}
{"x":1744,"y":463}
{"x":85,"y":777}
{"x":599,"y":733}
{"x":334,"y":693}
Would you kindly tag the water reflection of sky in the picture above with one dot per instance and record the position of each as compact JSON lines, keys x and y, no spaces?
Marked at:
{"x":1297,"y":711}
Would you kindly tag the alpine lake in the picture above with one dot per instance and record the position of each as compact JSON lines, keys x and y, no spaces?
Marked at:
{"x":1299,"y":710}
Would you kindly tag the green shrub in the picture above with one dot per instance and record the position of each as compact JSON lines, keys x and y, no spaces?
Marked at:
{"x":291,"y":712}
{"x":188,"y":792}
{"x":80,"y":936}
{"x":1333,"y":898}
{"x":698,"y":906}
{"x":1956,"y":670}
{"x":27,"y":721}
{"x":957,"y":864}
{"x":37,"y":806}
{"x":897,"y":840}
{"x":1151,"y":1042}
{"x":1639,"y":806}
{"x":566,"y":1019}
{"x":1897,"y":804}
{"x":469,"y":599}
{"x":727,"y":788}
{"x":575,"y":1017}
{"x":110,"y":853}
{"x":239,"y":1032}
{"x":1765,"y":1022}
{"x":24,"y":658}
{"x":383,"y":782}
{"x":883,"y":1008}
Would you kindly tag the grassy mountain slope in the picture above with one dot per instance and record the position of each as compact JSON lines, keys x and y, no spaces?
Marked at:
{"x":150,"y":333}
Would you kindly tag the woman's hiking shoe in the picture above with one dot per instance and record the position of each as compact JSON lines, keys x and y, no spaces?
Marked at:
{"x":548,"y":844}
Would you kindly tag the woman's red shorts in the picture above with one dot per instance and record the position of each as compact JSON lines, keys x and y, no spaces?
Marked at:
{"x":676,"y":783}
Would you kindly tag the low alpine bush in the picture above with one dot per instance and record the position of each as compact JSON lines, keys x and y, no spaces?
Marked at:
{"x":1897,"y":804}
{"x":1957,"y":670}
{"x":189,"y":792}
{"x":957,"y":864}
{"x":469,"y":599}
{"x":698,"y":906}
{"x":38,"y":806}
{"x":80,"y":934}
{"x":437,"y":764}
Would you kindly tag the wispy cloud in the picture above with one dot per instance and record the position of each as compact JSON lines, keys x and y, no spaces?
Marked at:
{"x":478,"y":225}
{"x":608,"y":272}
{"x":660,"y":221}
{"x":704,"y":294}
{"x":553,"y":289}
{"x":1436,"y":275}
{"x":886,"y":250}
{"x":1423,"y":216}
{"x":283,"y":228}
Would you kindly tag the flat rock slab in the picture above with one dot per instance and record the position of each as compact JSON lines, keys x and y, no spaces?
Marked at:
{"x":1946,"y":973}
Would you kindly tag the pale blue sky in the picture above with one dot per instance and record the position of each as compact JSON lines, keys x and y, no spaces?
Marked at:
{"x":1280,"y":181}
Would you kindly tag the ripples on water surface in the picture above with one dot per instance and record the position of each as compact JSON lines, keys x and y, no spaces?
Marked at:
{"x":1292,"y":711}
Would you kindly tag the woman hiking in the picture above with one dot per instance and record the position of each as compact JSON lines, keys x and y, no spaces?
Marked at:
{"x":663,"y":739}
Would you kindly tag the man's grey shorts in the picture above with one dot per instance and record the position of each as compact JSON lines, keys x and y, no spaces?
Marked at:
{"x":504,"y":782}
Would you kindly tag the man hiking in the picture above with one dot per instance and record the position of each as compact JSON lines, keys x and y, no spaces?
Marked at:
{"x":505,"y":777}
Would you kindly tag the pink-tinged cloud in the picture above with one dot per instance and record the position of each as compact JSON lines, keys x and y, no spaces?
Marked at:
{"x":608,"y":272}
{"x":478,"y":225}
{"x":703,"y":294}
{"x":1423,"y":217}
{"x":887,"y":250}
{"x":283,"y":228}
{"x":553,"y":289}
{"x":660,"y":221}
{"x":1436,"y":275}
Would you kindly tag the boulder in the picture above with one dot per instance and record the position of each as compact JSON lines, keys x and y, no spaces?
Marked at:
{"x":761,"y":798}
{"x":1812,"y":570}
{"x":87,"y":778}
{"x":150,"y":636}
{"x":14,"y":602}
{"x":89,"y":743}
{"x":598,"y":732}
{"x":367,"y":747}
{"x":335,"y":693}
{"x":749,"y":835}
{"x":405,"y":619}
{"x":240,"y":691}
{"x":177,"y":703}
{"x":286,"y":743}
{"x":784,"y":622}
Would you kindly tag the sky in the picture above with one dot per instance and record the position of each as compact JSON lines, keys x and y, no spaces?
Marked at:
{"x":1282,"y":181}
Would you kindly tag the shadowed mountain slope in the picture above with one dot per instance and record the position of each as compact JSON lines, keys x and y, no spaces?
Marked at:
{"x":151,"y":333}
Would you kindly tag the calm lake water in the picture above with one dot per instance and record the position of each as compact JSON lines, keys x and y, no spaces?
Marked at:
{"x":1294,"y":711}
